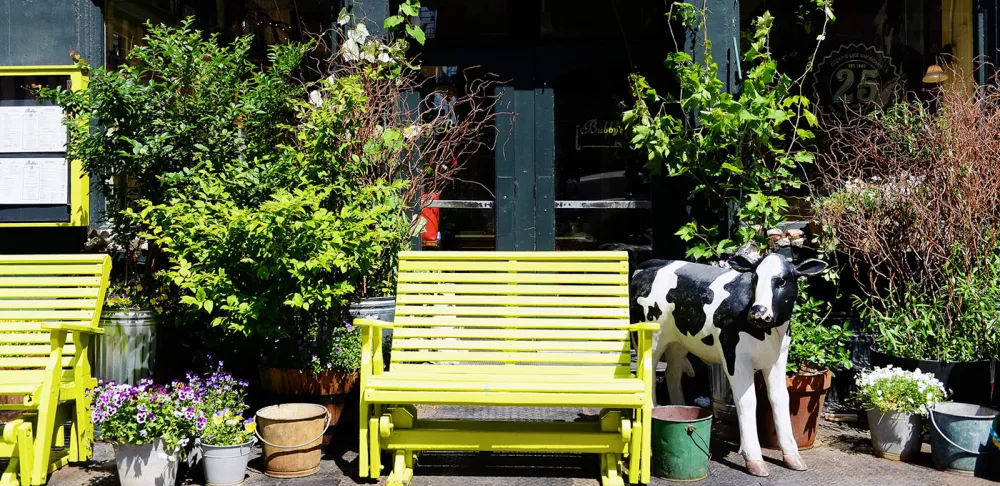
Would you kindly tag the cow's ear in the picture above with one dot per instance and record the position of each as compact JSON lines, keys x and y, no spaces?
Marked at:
{"x":741,"y":263}
{"x":810,"y":267}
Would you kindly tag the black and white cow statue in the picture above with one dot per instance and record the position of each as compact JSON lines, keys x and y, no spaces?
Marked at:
{"x":735,"y":316}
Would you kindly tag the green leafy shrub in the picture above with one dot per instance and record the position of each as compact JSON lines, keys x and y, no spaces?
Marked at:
{"x":815,"y":344}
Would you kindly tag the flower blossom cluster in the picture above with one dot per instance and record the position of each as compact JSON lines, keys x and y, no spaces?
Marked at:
{"x":892,"y":389}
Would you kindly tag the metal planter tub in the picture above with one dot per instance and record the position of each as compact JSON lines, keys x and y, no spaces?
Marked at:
{"x":126,"y":352}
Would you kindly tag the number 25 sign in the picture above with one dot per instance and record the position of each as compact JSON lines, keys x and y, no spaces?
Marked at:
{"x":856,"y":77}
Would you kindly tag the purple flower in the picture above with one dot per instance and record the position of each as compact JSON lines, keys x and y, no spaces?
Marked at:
{"x":338,"y":349}
{"x":349,"y":327}
{"x":200,"y":424}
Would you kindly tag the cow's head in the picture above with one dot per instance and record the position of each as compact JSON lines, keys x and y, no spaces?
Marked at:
{"x":775,"y":289}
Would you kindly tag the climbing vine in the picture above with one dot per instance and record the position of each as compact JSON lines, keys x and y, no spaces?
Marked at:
{"x":745,"y":151}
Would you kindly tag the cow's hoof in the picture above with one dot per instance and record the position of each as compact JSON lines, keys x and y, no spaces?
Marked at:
{"x":794,"y":462}
{"x":757,"y":468}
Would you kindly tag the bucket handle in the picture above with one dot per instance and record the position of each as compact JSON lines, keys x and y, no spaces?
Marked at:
{"x":257,"y":433}
{"x":692,"y":430}
{"x":945,"y":437}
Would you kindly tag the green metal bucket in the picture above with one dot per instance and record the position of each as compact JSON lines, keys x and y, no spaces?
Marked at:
{"x":681,"y":442}
{"x":960,"y":438}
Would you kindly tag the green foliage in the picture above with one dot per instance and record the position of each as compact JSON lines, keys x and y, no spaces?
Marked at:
{"x":744,"y":150}
{"x":182,"y":101}
{"x":225,"y":428}
{"x":895,"y":390}
{"x":816,"y":345}
{"x":957,"y":322}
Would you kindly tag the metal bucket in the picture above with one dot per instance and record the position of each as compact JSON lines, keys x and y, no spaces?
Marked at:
{"x":292,"y":438}
{"x":681,"y":438}
{"x":225,"y":465}
{"x":723,"y":404}
{"x":960,"y":438}
{"x":381,"y":308}
{"x":126,"y":352}
{"x":896,"y":436}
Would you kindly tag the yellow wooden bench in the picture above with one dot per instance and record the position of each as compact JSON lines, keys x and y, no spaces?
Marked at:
{"x":50,"y":305}
{"x":532,"y":329}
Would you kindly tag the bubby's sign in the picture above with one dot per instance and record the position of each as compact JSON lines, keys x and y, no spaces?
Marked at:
{"x":856,"y":77}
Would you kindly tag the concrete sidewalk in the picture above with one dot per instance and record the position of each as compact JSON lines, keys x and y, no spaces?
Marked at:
{"x":841,"y":456}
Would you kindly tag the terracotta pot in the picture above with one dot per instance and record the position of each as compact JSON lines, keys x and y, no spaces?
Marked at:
{"x":806,"y":394}
{"x":332,"y":389}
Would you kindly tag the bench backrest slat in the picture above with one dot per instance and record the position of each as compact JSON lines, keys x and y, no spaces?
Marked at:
{"x":36,"y":289}
{"x":478,"y":310}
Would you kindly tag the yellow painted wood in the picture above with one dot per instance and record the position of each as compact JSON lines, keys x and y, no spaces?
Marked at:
{"x":58,"y":269}
{"x":8,"y":304}
{"x":509,"y":266}
{"x":578,"y":378}
{"x":416,"y":310}
{"x":530,"y":329}
{"x":552,"y":335}
{"x":518,"y":300}
{"x":509,"y":289}
{"x":79,"y":179}
{"x":31,"y":350}
{"x":47,"y":315}
{"x":494,"y":386}
{"x":50,"y":281}
{"x":54,"y":292}
{"x":49,"y":306}
{"x":513,"y":437}
{"x":524,"y":256}
{"x":520,"y":278}
{"x":540,"y":357}
{"x":19,"y":362}
{"x":511,"y":323}
{"x":526,"y":346}
{"x":437,"y":370}
{"x":595,"y":400}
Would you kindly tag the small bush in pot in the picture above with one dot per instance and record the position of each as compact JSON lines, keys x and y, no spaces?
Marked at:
{"x":150,"y":426}
{"x":896,"y":401}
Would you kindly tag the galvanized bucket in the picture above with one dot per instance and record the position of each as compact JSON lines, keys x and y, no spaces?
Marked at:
{"x":126,"y":352}
{"x":681,"y":438}
{"x":381,"y":308}
{"x":960,"y":438}
{"x":896,"y":436}
{"x":225,"y":465}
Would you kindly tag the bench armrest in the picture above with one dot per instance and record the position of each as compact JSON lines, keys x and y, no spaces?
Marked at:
{"x":644,"y":326}
{"x":365,"y":322}
{"x":62,"y":326}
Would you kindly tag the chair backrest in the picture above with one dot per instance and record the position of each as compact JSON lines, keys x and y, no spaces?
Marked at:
{"x":477,"y":310}
{"x":36,"y":289}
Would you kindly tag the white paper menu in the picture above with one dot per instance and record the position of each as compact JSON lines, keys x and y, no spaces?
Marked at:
{"x":31,"y":129}
{"x":33,"y":181}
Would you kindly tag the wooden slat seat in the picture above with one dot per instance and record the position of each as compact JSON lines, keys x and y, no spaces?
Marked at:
{"x":531,"y":329}
{"x":50,"y":306}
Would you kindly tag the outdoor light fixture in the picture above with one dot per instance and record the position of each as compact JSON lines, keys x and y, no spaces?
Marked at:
{"x":935,"y":74}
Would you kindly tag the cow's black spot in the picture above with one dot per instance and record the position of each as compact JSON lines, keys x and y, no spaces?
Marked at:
{"x":691,"y":295}
{"x":653,"y":313}
{"x":708,"y":340}
{"x":642,"y":282}
{"x":731,"y":317}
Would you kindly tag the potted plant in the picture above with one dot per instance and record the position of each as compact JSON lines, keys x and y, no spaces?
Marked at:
{"x":226,"y":440}
{"x":149,"y":425}
{"x":896,"y":401}
{"x":908,"y":198}
{"x":816,"y":348}
{"x":274,"y":247}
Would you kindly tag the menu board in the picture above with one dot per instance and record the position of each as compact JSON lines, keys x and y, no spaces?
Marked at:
{"x":31,"y":129}
{"x":28,"y":181}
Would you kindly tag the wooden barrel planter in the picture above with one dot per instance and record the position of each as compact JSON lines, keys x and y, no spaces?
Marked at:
{"x":334,"y":389}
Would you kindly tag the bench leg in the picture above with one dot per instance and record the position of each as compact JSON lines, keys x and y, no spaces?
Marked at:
{"x":17,"y":445}
{"x":402,"y":469}
{"x":363,"y":462}
{"x":635,"y":450}
{"x":611,"y":470}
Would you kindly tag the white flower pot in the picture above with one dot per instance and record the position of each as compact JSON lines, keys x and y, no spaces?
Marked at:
{"x":895,"y":435}
{"x":146,"y":465}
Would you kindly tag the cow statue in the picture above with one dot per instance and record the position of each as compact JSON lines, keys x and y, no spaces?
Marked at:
{"x":737,"y":317}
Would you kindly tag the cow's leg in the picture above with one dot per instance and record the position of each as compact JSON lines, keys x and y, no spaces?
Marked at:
{"x":745,"y":396}
{"x":659,"y":347}
{"x":777,"y":394}
{"x":676,"y":365}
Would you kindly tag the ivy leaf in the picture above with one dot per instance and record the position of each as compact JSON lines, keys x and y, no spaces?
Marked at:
{"x":417,"y":33}
{"x":732,"y":168}
{"x":392,"y":21}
